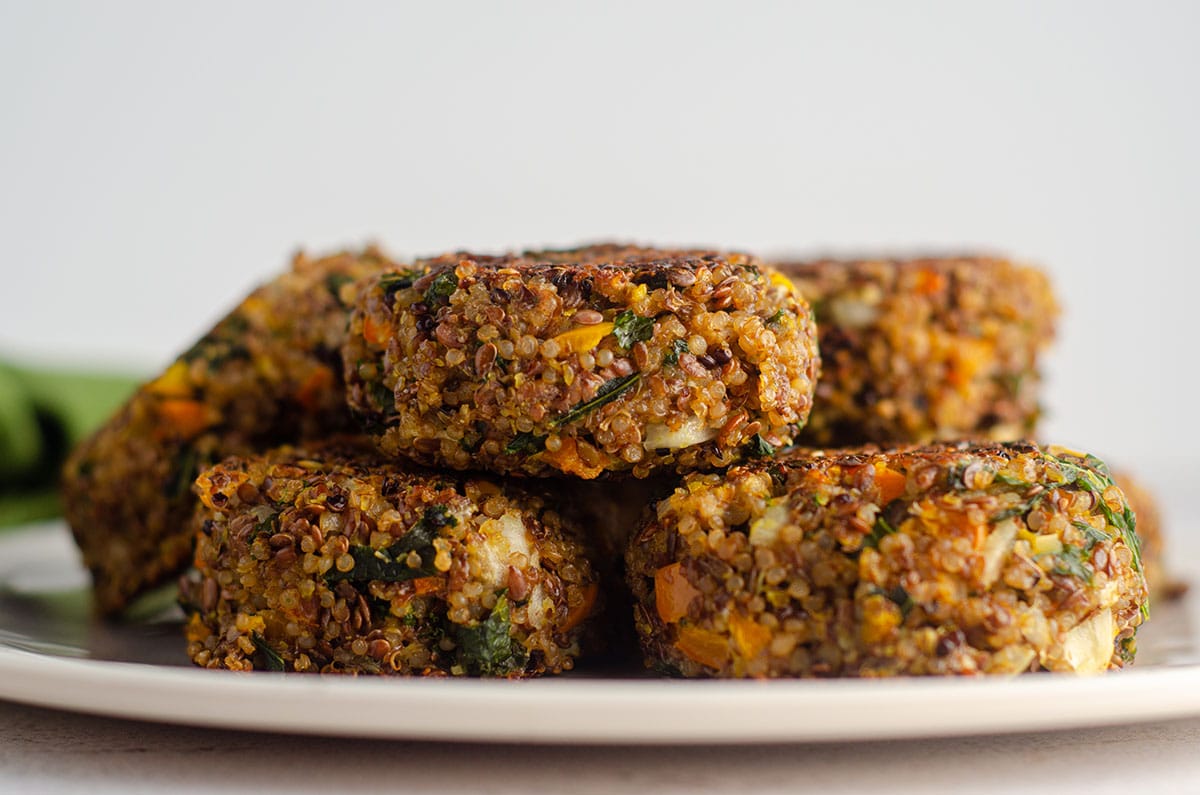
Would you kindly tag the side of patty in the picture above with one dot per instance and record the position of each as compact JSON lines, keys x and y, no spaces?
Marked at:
{"x":585,"y":362}
{"x":269,"y":372}
{"x":947,"y":559}
{"x":333,"y":560}
{"x":924,"y":349}
{"x":1151,"y":534}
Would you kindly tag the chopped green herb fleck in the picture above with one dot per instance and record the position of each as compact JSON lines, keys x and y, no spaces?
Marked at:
{"x":759,"y":447}
{"x":1009,"y":480}
{"x":608,"y":392}
{"x":902,"y":599}
{"x":394,"y":282}
{"x":881,"y":529}
{"x":442,"y":287}
{"x":488,"y":648}
{"x":334,"y":283}
{"x":187,"y":466}
{"x":1020,"y":509}
{"x":629,"y":328}
{"x":525,"y":443}
{"x":1072,"y":561}
{"x":677,"y":347}
{"x":1092,"y":535}
{"x":267,"y":525}
{"x":1092,"y":475}
{"x":271,"y":658}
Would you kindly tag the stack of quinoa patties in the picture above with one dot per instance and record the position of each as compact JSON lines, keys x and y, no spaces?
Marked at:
{"x":430,"y":513}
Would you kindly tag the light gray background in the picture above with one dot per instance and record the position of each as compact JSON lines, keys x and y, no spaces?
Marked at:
{"x":157,"y":160}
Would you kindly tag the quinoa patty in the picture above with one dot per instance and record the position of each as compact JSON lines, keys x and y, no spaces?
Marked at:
{"x":270,"y":372}
{"x":584,"y":362}
{"x":923,"y":349}
{"x":334,"y":560}
{"x":947,"y":559}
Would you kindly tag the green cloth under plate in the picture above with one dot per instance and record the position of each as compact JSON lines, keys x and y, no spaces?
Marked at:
{"x":43,"y":414}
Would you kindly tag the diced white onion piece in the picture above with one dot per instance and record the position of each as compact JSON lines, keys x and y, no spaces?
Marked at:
{"x":852,"y":312}
{"x":691,"y":431}
{"x":502,"y":537}
{"x":995,"y":550}
{"x":765,"y":529}
{"x":1088,"y":648}
{"x":1012,"y":660}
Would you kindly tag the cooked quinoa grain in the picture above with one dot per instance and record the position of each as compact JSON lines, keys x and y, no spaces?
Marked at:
{"x":334,"y":560}
{"x":923,"y":349}
{"x":948,"y":559}
{"x":582,"y":362}
{"x":269,"y":372}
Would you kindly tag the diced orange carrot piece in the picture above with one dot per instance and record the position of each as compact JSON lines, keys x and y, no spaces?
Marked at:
{"x":317,"y":384}
{"x":930,"y":282}
{"x":579,"y":612}
{"x":184,"y":419}
{"x":566,"y":459}
{"x":427,"y":585}
{"x":375,"y":332}
{"x":890,"y":483}
{"x":749,"y":636}
{"x":702,"y":646}
{"x":672,"y":593}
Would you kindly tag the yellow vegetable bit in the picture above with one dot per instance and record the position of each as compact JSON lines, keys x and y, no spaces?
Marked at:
{"x":173,"y":383}
{"x":584,"y":338}
{"x":779,"y":280}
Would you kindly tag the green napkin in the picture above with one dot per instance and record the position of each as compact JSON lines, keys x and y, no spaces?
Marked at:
{"x":43,"y":414}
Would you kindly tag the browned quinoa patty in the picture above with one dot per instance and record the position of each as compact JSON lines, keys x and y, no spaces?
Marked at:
{"x":269,"y":372}
{"x":334,"y":560}
{"x":923,"y":349}
{"x":947,"y":559}
{"x":585,"y":362}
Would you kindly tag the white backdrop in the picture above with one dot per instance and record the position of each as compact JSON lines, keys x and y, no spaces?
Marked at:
{"x":157,"y":160}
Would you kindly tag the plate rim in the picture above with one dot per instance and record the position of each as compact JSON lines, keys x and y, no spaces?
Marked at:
{"x":595,"y":710}
{"x":584,"y":709}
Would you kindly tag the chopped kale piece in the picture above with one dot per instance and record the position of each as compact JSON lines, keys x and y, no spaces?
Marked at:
{"x":525,"y":443}
{"x":488,"y":648}
{"x":442,"y":287}
{"x":271,"y":658}
{"x":382,"y":397}
{"x":391,"y":564}
{"x":630,"y":329}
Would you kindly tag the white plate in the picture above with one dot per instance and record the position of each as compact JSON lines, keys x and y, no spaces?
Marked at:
{"x":53,"y":654}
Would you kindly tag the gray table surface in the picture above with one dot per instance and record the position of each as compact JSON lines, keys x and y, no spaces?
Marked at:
{"x":48,"y":751}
